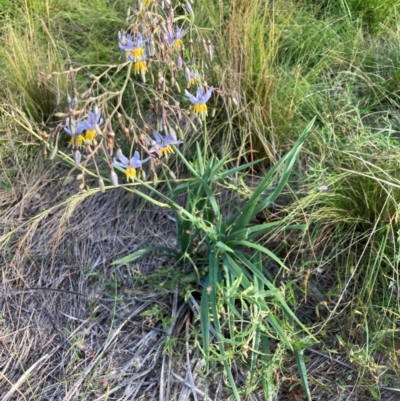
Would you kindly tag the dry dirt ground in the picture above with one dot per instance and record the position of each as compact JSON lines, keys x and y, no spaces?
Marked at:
{"x":73,"y":327}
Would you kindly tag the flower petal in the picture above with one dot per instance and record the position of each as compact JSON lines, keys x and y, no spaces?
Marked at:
{"x":172,"y":134}
{"x":118,"y":164}
{"x":158,"y":137}
{"x":121,"y":157}
{"x":207,"y":95}
{"x":180,"y":32}
{"x":200,"y":93}
{"x":80,"y":127}
{"x":91,"y":119}
{"x":191,"y":97}
{"x":135,"y":160}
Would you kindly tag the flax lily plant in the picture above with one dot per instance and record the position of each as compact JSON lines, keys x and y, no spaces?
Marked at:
{"x":232,"y":276}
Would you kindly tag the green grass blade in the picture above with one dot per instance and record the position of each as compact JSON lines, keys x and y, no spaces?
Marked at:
{"x":237,"y":271}
{"x":200,"y":159}
{"x":214,"y":281}
{"x":285,"y":307}
{"x":301,"y":365}
{"x":234,"y":170}
{"x":224,"y":247}
{"x":259,"y":248}
{"x":266,"y":358}
{"x":204,"y":318}
{"x":291,"y":159}
{"x":277,"y":326}
{"x":161,"y":249}
{"x":259,"y":287}
{"x":247,"y":232}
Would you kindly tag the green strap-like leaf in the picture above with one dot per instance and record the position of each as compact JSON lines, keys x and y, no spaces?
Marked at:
{"x":301,"y":365}
{"x":277,"y":295}
{"x":161,"y":249}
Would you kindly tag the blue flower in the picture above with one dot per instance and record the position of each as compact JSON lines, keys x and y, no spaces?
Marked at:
{"x":134,"y":49}
{"x":130,"y":165}
{"x":74,"y":129}
{"x":162,"y":145}
{"x":199,"y":101}
{"x":91,"y":124}
{"x":175,"y":39}
{"x":191,"y":76}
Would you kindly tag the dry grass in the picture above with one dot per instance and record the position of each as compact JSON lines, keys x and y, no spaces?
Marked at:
{"x":73,"y":327}
{"x":69,"y":324}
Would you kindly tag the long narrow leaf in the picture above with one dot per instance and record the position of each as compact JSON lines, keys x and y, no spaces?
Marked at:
{"x":266,"y":358}
{"x":254,"y":198}
{"x":200,"y":159}
{"x":204,"y":318}
{"x":277,"y":326}
{"x":187,"y":164}
{"x":259,"y":248}
{"x":161,"y":249}
{"x":234,"y":170}
{"x":214,"y":281}
{"x":291,"y":159}
{"x":277,"y":295}
{"x":301,"y":365}
{"x":237,"y":271}
{"x":257,"y":335}
{"x":259,"y":229}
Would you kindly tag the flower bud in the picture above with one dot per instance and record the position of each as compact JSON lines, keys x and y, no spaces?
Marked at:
{"x":172,"y":174}
{"x":155,"y":179}
{"x":73,"y":103}
{"x":53,"y":153}
{"x":179,"y":62}
{"x":180,"y":133}
{"x":72,"y":127}
{"x":186,"y":73}
{"x":122,"y":37}
{"x":114,"y":178}
{"x":210,"y":49}
{"x":150,"y":47}
{"x":67,"y":180}
{"x":101,"y":185}
{"x":163,"y":27}
{"x":60,"y":115}
{"x":189,"y":8}
{"x":77,"y":157}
